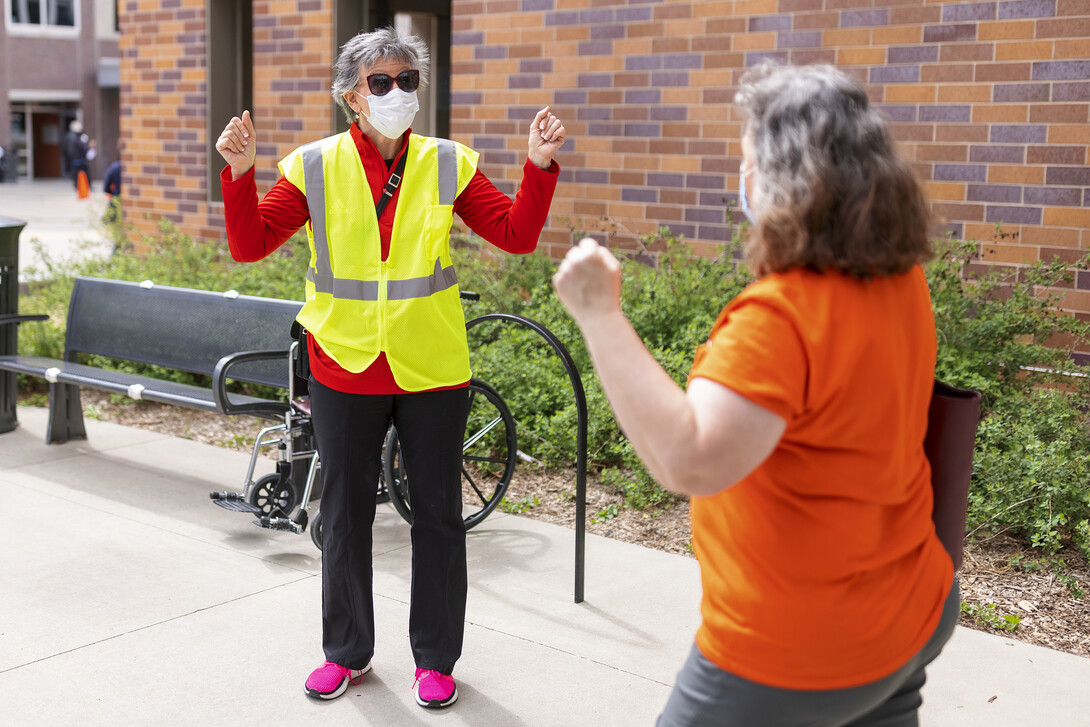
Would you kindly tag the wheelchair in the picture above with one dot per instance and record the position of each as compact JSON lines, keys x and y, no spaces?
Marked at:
{"x":280,"y":499}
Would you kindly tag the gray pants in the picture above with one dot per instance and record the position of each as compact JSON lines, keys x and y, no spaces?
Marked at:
{"x":707,"y":696}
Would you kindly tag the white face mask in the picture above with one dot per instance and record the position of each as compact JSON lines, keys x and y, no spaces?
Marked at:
{"x":392,"y":114}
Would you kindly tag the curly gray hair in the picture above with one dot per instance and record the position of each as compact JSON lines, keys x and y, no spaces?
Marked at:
{"x":366,"y":50}
{"x":831,"y":188}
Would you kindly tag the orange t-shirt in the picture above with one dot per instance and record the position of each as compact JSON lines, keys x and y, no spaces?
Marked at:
{"x":821,"y":569}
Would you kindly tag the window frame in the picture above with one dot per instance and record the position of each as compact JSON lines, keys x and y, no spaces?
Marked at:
{"x":40,"y":29}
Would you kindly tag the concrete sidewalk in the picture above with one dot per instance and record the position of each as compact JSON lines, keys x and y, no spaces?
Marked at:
{"x":64,"y":226}
{"x":128,"y":598}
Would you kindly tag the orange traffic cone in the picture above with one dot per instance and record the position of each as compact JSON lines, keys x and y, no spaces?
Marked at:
{"x":83,"y":187}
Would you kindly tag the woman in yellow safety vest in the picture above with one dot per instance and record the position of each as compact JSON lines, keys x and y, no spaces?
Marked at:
{"x":387,"y":340}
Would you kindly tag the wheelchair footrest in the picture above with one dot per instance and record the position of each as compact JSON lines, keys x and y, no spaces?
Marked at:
{"x":233,"y":501}
{"x":280,"y":523}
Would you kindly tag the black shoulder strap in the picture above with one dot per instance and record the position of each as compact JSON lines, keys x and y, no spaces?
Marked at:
{"x":391,"y":185}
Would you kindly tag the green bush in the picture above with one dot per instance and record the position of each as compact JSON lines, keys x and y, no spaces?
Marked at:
{"x":999,"y":333}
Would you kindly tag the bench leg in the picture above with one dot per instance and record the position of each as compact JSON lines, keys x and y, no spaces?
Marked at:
{"x":65,"y":414}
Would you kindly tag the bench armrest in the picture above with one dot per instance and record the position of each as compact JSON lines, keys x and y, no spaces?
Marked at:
{"x":10,"y":318}
{"x":219,"y":384}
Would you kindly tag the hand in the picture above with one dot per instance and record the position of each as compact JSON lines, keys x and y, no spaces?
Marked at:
{"x":588,"y":281}
{"x":546,"y":137}
{"x":238,"y":144}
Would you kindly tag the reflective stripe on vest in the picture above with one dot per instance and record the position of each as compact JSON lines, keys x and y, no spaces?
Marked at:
{"x":346,"y":288}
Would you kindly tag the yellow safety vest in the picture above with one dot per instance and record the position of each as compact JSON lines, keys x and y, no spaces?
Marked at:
{"x":408,"y":306}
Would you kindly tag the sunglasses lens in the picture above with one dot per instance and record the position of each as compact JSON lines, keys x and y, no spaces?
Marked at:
{"x":408,"y":81}
{"x":380,"y":84}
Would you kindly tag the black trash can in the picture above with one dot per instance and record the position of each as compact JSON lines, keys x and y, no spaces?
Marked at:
{"x":9,"y":305}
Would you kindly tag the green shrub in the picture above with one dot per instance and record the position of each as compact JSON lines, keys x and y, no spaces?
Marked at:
{"x":1031,"y":470}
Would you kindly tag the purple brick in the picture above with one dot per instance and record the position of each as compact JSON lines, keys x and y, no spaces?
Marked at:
{"x":498,"y":157}
{"x":799,"y":39}
{"x":1054,"y":154}
{"x":633,"y":15}
{"x":574,"y":98}
{"x":489,"y":142}
{"x":596,"y":48}
{"x":489,"y":52}
{"x":913,"y":54}
{"x":468,"y":38}
{"x":1054,"y":196}
{"x":594,"y":113}
{"x":1027,"y":9}
{"x":595,"y":80}
{"x":756,"y":58}
{"x":895,"y":74}
{"x":769,"y":22}
{"x":1071,"y":91}
{"x":564,"y":18}
{"x":669,"y":113}
{"x":703,"y":214}
{"x":1082,"y":282}
{"x":1021,"y":92}
{"x":948,"y":33}
{"x":961,"y":173}
{"x":956,"y":229}
{"x":1079,"y":176}
{"x":714,"y":199}
{"x":1061,"y":71}
{"x":864,"y":18}
{"x":992,"y":154}
{"x":662,"y":80}
{"x":1009,"y":193}
{"x":680,"y":62}
{"x":598,"y":15}
{"x":1013,"y":215}
{"x":665,"y":179}
{"x":643,"y":63}
{"x":950,"y":114}
{"x":1019,"y":133}
{"x":530,"y":6}
{"x":610,"y":129}
{"x":959,"y":12}
{"x":648,"y":130}
{"x":602,"y":32}
{"x":897,"y":112}
{"x":639,"y":194}
{"x":719,"y":233}
{"x":813,"y":57}
{"x":1086,"y":198}
{"x":536,"y":65}
{"x":642,"y":96}
{"x":680,"y":230}
{"x":591,"y":176}
{"x":705,"y":181}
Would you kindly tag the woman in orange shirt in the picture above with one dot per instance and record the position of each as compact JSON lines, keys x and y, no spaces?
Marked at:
{"x":800,"y":436}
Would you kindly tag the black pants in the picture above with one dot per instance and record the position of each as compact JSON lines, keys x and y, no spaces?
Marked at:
{"x":350,"y":429}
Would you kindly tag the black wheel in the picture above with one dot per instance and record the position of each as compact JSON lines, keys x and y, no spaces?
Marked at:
{"x":316,"y":530}
{"x":489,"y":453}
{"x":269,"y":494}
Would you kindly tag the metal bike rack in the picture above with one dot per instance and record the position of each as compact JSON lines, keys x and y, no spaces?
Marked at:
{"x":581,"y":436}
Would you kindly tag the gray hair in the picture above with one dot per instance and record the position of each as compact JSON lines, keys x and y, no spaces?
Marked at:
{"x":366,"y":50}
{"x":830,"y":189}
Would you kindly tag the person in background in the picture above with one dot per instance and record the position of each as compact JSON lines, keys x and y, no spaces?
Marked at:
{"x":386,"y":335}
{"x":111,"y":185}
{"x":799,"y":438}
{"x":79,"y":150}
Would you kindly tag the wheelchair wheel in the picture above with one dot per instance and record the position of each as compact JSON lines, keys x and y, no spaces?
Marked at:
{"x":316,"y":530}
{"x":488,"y":457}
{"x":269,"y":494}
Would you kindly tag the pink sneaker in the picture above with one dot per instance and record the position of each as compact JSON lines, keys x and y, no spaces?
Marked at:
{"x":434,"y":690}
{"x":330,"y":680}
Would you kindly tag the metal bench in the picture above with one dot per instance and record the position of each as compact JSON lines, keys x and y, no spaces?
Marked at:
{"x":222,"y":336}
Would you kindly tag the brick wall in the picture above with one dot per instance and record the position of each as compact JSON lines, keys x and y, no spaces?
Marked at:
{"x":164,"y":104}
{"x":990,"y":99}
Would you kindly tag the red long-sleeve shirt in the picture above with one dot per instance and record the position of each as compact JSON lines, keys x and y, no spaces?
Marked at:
{"x":255,"y":229}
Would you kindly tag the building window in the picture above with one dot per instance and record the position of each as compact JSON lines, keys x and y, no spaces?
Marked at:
{"x":60,"y":13}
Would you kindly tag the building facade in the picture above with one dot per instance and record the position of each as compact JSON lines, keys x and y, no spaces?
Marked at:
{"x":991,"y":100}
{"x":59,"y":62}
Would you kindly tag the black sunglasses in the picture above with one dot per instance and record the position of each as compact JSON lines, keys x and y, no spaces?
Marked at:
{"x":381,"y":83}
